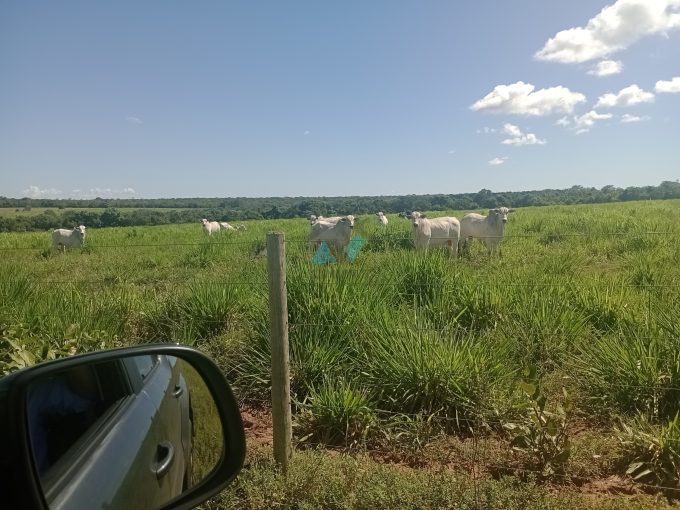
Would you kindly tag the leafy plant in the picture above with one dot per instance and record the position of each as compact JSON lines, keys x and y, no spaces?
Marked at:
{"x":542,"y":432}
{"x":653,"y":451}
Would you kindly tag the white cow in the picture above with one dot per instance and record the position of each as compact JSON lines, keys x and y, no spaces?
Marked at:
{"x":225,"y":226}
{"x":444,"y":231}
{"x":488,"y":229}
{"x":62,"y":237}
{"x":336,"y":233}
{"x":241,"y":226}
{"x":382,"y":219}
{"x":210,"y":226}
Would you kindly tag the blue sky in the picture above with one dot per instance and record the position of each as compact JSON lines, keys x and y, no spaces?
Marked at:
{"x":308,"y":98}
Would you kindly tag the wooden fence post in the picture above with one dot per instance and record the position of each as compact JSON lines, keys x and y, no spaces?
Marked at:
{"x":278,"y":320}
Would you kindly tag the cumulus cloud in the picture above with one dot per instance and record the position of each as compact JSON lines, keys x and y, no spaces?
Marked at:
{"x":517,"y":138}
{"x":522,"y":99}
{"x":670,"y":87}
{"x":486,"y":130}
{"x":133,"y":119}
{"x":564,"y":121}
{"x":37,"y":192}
{"x":498,"y":161}
{"x":587,"y":121}
{"x":626,"y":97}
{"x":615,"y":28}
{"x":607,"y":68}
{"x":627,"y":118}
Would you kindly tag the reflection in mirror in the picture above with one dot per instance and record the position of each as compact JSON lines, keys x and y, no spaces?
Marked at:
{"x":131,"y":432}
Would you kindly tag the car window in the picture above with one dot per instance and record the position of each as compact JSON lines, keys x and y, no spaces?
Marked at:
{"x":64,"y":408}
{"x":145,"y":364}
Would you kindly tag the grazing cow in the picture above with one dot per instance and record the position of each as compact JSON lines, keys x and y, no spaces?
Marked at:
{"x":225,"y":226}
{"x":488,"y":229}
{"x":210,"y":226}
{"x":382,"y":219}
{"x":241,"y":226}
{"x":62,"y":237}
{"x":414,"y":215}
{"x":336,"y":233}
{"x":444,"y":231}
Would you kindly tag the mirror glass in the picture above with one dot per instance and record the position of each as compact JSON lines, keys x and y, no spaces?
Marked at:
{"x":131,"y":432}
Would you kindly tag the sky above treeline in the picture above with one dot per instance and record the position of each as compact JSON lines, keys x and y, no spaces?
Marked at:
{"x":307,"y":98}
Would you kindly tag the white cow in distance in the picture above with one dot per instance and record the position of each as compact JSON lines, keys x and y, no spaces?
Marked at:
{"x":226,"y":226}
{"x":444,"y":231}
{"x":488,"y":229}
{"x":210,"y":226}
{"x":336,"y":232}
{"x":382,"y":219}
{"x":74,"y":238}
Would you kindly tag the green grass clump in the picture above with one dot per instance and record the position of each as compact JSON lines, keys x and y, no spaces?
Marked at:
{"x":336,"y":413}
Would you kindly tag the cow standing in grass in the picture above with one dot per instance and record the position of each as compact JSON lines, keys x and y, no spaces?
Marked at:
{"x":62,"y":237}
{"x":337,"y":233}
{"x":444,"y":231}
{"x":488,"y":229}
{"x":210,"y":226}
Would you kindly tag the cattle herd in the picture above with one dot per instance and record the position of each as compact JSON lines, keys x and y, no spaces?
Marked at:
{"x":336,"y":231}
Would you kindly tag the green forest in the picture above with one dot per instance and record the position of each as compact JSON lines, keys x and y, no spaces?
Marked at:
{"x":103,"y":212}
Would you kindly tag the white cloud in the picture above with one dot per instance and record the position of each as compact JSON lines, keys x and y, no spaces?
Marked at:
{"x":452,"y":151}
{"x":36,"y":192}
{"x":486,"y":130}
{"x":585,"y":122}
{"x":607,"y":68}
{"x":628,"y":96}
{"x":520,"y":98}
{"x":627,"y":118}
{"x":564,"y":121}
{"x":498,"y":161}
{"x":670,"y":87}
{"x":307,"y":132}
{"x":512,"y":130}
{"x":615,"y":28}
{"x":133,"y":120}
{"x":518,"y":138}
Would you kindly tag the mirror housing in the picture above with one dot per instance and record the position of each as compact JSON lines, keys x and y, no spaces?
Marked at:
{"x":19,"y":479}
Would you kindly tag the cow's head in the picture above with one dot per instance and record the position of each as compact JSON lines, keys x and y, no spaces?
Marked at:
{"x":80,"y":231}
{"x":204,"y":221}
{"x":349,"y":220}
{"x":416,"y":220}
{"x":500,"y":214}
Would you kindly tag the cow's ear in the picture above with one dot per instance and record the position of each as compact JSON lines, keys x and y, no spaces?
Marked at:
{"x":423,"y":215}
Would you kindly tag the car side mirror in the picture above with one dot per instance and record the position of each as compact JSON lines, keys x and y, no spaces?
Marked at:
{"x":148,"y":427}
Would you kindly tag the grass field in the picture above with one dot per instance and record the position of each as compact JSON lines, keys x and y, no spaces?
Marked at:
{"x":560,"y":358}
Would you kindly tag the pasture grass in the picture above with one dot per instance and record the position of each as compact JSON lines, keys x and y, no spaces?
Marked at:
{"x":398,"y":346}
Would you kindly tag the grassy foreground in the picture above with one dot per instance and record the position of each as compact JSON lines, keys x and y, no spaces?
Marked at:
{"x":572,"y":335}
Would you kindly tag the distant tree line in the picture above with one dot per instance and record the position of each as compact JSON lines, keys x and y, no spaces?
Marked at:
{"x":185,"y":210}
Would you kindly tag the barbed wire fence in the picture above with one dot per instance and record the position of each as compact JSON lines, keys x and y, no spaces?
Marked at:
{"x":475,"y":452}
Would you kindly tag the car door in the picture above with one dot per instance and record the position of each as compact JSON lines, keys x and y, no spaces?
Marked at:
{"x":114,"y":465}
